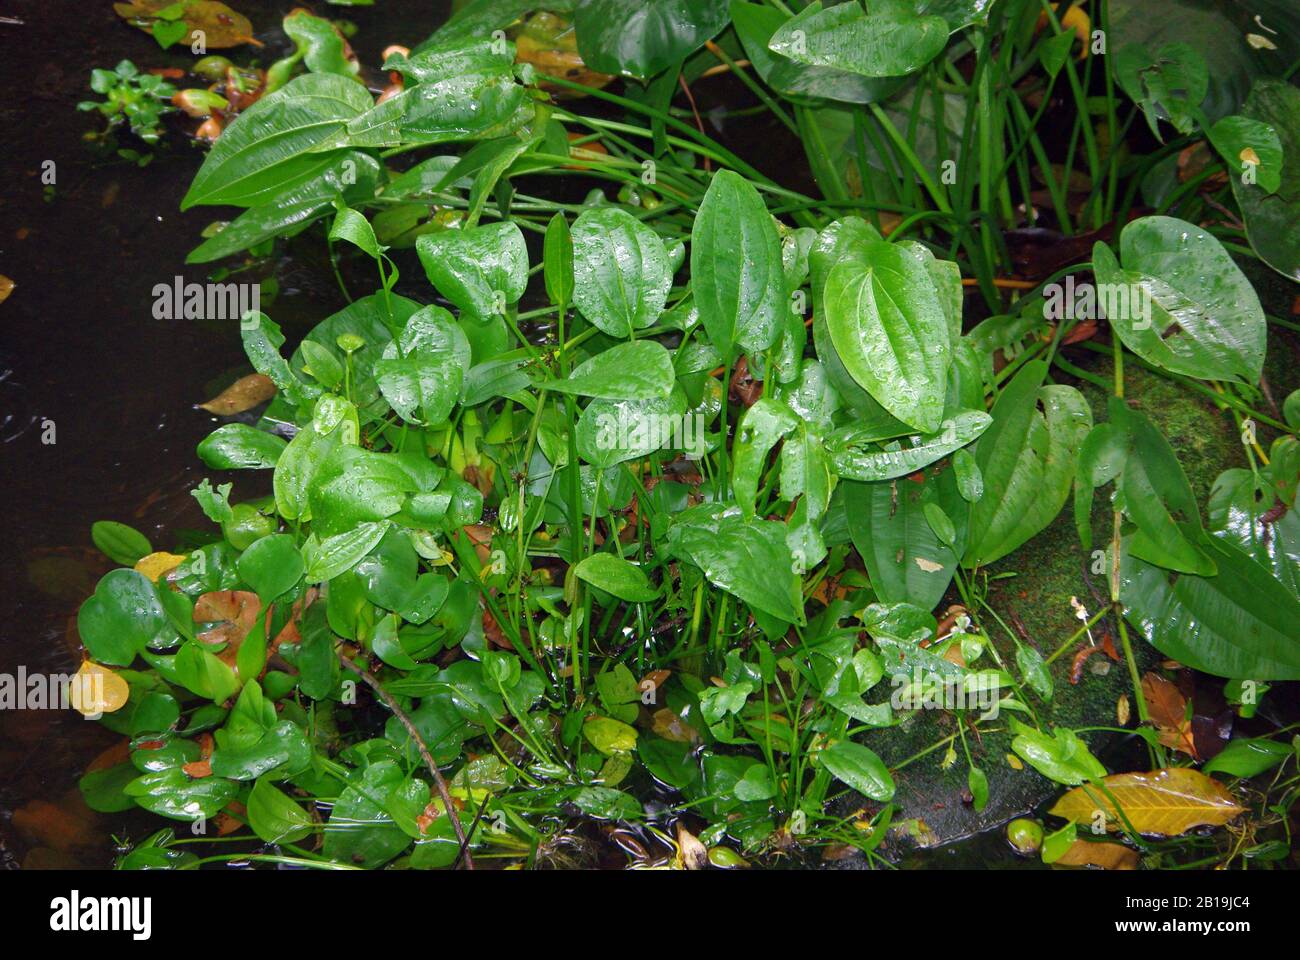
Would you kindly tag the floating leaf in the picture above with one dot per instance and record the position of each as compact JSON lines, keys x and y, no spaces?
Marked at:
{"x":1164,"y":802}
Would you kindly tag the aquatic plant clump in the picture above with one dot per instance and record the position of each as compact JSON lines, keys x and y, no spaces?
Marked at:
{"x":689,"y":511}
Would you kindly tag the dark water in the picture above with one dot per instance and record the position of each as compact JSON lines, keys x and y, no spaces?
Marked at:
{"x":84,"y":363}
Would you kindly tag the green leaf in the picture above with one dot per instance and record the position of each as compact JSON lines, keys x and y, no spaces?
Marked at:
{"x":1061,"y":757}
{"x":617,"y":576}
{"x":122,"y":618}
{"x":349,"y":175}
{"x":1027,"y":459}
{"x":557,"y":261}
{"x":618,"y":691}
{"x":1249,"y":757}
{"x":860,"y":768}
{"x":889,"y":329}
{"x":353,"y":227}
{"x":338,"y":554}
{"x":170,"y":793}
{"x":889,"y":41}
{"x":423,"y":384}
{"x":852,"y":459}
{"x":271,"y":146}
{"x":907,"y":560}
{"x":1168,"y":83}
{"x":1273,"y":219}
{"x":274,"y":817}
{"x":1153,"y":491}
{"x":1250,"y":150}
{"x":120,"y":543}
{"x":262,"y":342}
{"x":737,"y":274}
{"x":360,"y":831}
{"x":322,"y":47}
{"x":237,"y":446}
{"x":750,"y":560}
{"x":640,"y":370}
{"x":621,"y":274}
{"x":639,"y":38}
{"x":1180,"y":302}
{"x":610,"y":432}
{"x":1238,"y":624}
{"x":283,"y":748}
{"x":297,"y":468}
{"x":481,"y":270}
{"x":609,"y":736}
{"x":271,"y":566}
{"x":758,"y":431}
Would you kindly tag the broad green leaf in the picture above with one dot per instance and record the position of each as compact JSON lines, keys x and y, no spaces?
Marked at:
{"x":423,"y":382}
{"x":615,"y":575}
{"x":297,"y":467}
{"x":1062,"y":757}
{"x":1027,"y":459}
{"x":749,"y":559}
{"x":755,"y":24}
{"x":889,"y":329}
{"x":283,"y":748}
{"x":481,"y":270}
{"x":122,"y":618}
{"x":886,"y":41}
{"x":860,"y":768}
{"x":351,"y":175}
{"x":641,"y":370}
{"x":120,"y":543}
{"x":1251,"y":151}
{"x":612,"y":431}
{"x":326,"y":559}
{"x":274,"y":817}
{"x":271,"y":566}
{"x":1249,"y":757}
{"x":758,"y":431}
{"x":639,"y":38}
{"x":855,"y":459}
{"x":237,"y":446}
{"x":908,"y":562}
{"x":737,"y":274}
{"x":1246,"y":515}
{"x":1240,"y":623}
{"x":170,"y":793}
{"x":1168,"y":83}
{"x":1239,"y":40}
{"x":353,"y":227}
{"x":621,"y":274}
{"x":1153,"y":491}
{"x":360,"y":831}
{"x":355,"y":485}
{"x":1273,"y":219}
{"x":270,"y":147}
{"x":1180,"y":302}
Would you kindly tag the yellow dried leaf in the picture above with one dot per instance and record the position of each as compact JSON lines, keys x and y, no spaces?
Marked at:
{"x":244,"y":394}
{"x":1014,"y":762}
{"x":156,"y":564}
{"x":96,"y":690}
{"x":1162,"y":802}
{"x":6,"y":287}
{"x":1248,"y":155}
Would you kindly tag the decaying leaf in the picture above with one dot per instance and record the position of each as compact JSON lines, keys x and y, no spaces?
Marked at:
{"x":1163,"y":802}
{"x":1168,"y":710}
{"x":6,"y":287}
{"x":95,"y":690}
{"x":1107,"y":856}
{"x":220,"y":26}
{"x":694,"y":855}
{"x":155,"y":565}
{"x":244,"y":394}
{"x":670,"y":726}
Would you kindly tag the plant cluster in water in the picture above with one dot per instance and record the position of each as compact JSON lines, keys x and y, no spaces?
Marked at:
{"x":691,"y":517}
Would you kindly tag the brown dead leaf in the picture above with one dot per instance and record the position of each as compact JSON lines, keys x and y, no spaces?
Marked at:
{"x":694,"y":854}
{"x":669,"y":725}
{"x":1106,"y":855}
{"x":198,"y":769}
{"x":1168,"y":711}
{"x":6,"y":287}
{"x":244,"y":394}
{"x":220,"y":26}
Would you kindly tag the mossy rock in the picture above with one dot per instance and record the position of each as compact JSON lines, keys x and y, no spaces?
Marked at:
{"x":1048,"y":571}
